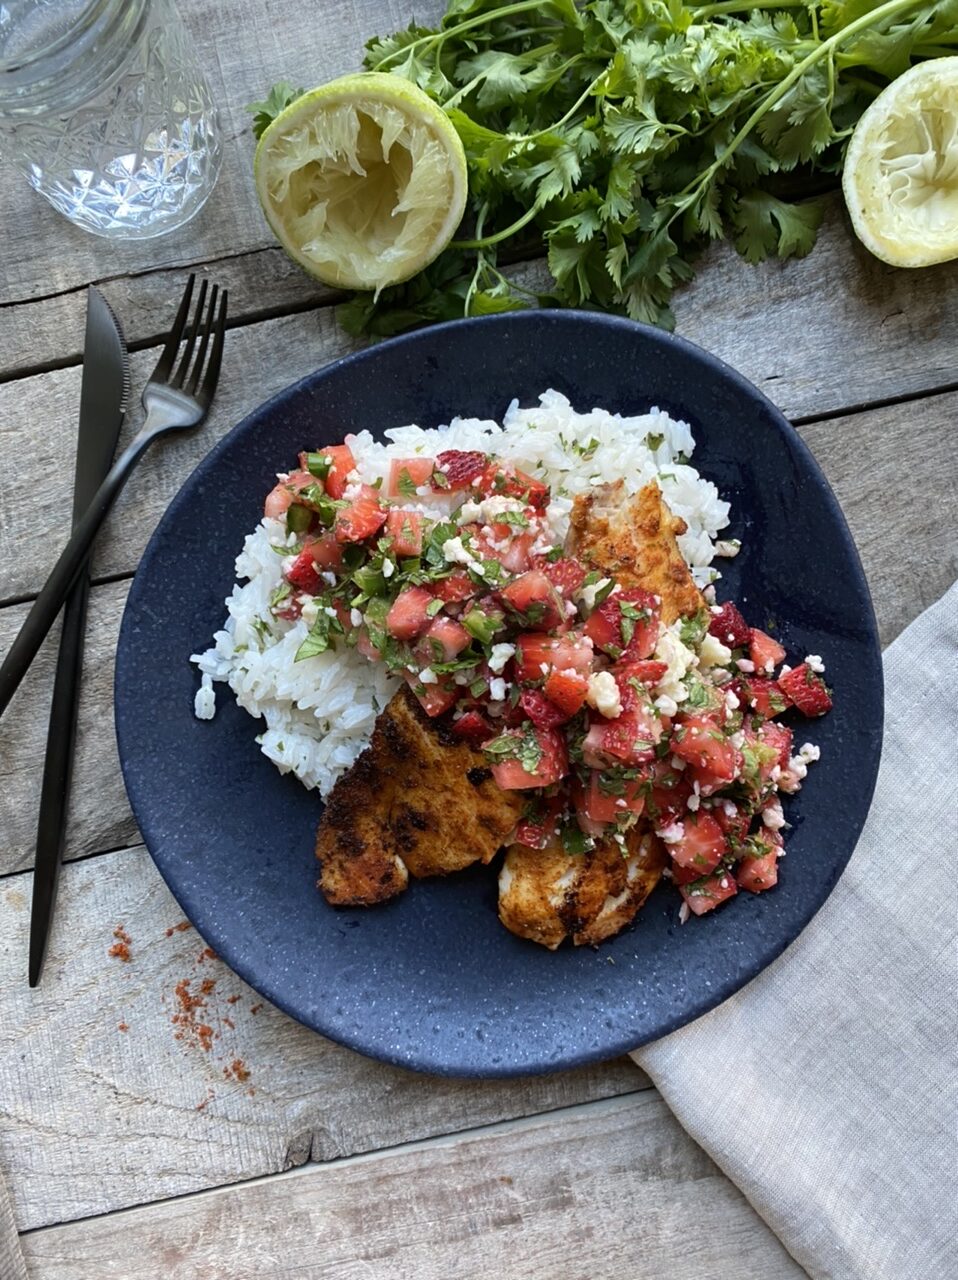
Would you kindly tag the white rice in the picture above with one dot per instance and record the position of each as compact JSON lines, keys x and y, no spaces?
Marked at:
{"x":319,"y":713}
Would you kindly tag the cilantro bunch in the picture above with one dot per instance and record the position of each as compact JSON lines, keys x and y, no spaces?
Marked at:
{"x":622,"y":136}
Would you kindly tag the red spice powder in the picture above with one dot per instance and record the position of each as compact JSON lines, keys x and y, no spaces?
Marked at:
{"x":255,"y":1008}
{"x":178,"y":928}
{"x":206,"y":954}
{"x":196,"y":1019}
{"x":121,"y":948}
{"x":237,"y":1070}
{"x":122,"y":1026}
{"x":233,"y":999}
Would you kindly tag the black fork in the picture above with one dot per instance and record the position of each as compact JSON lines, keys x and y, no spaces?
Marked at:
{"x":177,"y":397}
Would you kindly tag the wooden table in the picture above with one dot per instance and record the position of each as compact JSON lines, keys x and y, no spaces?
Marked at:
{"x":271,"y":1152}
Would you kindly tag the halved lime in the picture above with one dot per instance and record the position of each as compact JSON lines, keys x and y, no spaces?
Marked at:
{"x":901,"y":168}
{"x":363,"y":180}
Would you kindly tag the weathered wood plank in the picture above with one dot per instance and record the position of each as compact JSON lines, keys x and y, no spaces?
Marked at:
{"x":244,"y":47}
{"x":614,"y":1189}
{"x":94,"y":1117}
{"x":776,"y":322}
{"x":100,"y":816}
{"x":893,"y":470}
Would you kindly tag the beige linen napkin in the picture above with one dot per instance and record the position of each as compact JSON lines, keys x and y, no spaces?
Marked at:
{"x":826,"y":1088}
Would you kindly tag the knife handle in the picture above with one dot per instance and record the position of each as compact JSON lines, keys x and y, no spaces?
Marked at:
{"x":66,"y":571}
{"x":57,"y":771}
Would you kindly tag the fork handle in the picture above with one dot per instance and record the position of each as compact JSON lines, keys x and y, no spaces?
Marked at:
{"x":66,"y":570}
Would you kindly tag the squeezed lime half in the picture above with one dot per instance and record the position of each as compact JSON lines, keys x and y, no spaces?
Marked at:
{"x":363,"y":181}
{"x":901,"y":168}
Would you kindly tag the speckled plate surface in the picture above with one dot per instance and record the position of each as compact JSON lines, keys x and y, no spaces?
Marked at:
{"x":432,"y":981}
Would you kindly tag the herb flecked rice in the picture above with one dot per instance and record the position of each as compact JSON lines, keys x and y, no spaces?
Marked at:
{"x":319,"y":712}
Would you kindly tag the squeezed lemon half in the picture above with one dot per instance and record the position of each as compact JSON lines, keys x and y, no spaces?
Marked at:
{"x":363,"y":181}
{"x":901,"y":168}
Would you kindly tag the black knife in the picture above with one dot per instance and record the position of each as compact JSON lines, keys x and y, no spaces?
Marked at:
{"x":103,"y":396}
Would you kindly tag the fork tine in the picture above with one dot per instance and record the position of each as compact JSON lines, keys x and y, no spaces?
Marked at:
{"x":205,"y":393}
{"x":168,"y":355}
{"x":205,"y":342}
{"x":183,"y":368}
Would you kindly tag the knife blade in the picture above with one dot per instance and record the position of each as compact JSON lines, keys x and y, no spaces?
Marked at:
{"x":104,"y":393}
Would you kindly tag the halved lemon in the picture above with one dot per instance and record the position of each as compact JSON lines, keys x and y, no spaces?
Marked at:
{"x":901,"y":168}
{"x":363,"y":180}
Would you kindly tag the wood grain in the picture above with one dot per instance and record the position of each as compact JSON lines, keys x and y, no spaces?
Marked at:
{"x":94,"y":1117}
{"x":613,"y":1188}
{"x":893,"y":469}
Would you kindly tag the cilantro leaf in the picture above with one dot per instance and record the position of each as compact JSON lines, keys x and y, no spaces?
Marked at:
{"x":275,"y":102}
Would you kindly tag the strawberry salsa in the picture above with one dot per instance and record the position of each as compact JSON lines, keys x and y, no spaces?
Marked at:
{"x":568,"y":682}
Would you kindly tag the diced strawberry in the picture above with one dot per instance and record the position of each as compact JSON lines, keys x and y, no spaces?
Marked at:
{"x":434,"y":698}
{"x":671,"y":789}
{"x":456,"y":587}
{"x":343,"y":463}
{"x":537,"y":826}
{"x":458,"y":469}
{"x":765,"y":696}
{"x":566,"y":690}
{"x":807,"y":690}
{"x":733,"y":818}
{"x":408,"y":616}
{"x":366,"y":646}
{"x":730,"y":627}
{"x":444,"y":640}
{"x":702,"y":843}
{"x":630,"y":739}
{"x":325,"y":550}
{"x":543,"y":713}
{"x":405,"y":529}
{"x":765,"y":652}
{"x":407,"y":474}
{"x":510,"y":482}
{"x":512,"y":546}
{"x":511,"y":773}
{"x":606,"y":800}
{"x":535,"y":651}
{"x":706,"y":894}
{"x":776,"y":735}
{"x":566,"y":575}
{"x":278,"y":501}
{"x":700,"y":741}
{"x":758,"y":872}
{"x":474,"y":727}
{"x":303,"y":574}
{"x":646,"y":672}
{"x":625,"y":625}
{"x":535,"y":600}
{"x":362,"y":518}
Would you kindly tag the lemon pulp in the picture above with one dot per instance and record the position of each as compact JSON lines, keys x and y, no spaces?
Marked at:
{"x":363,"y":181}
{"x":901,"y":168}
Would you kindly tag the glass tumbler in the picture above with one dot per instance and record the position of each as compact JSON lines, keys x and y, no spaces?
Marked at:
{"x":105,"y":111}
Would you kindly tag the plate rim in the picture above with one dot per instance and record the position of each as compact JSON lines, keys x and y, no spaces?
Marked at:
{"x":424,"y":1061}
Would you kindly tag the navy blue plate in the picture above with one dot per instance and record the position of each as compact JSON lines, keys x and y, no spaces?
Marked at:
{"x":432,"y":981}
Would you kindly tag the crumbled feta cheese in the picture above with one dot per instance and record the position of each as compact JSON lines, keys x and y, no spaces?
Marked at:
{"x":488,"y":510}
{"x":309,"y":611}
{"x":665,"y":705}
{"x":570,"y":609}
{"x":815,"y":663}
{"x":679,"y":659}
{"x":428,"y":676}
{"x":498,"y":689}
{"x":329,"y":578}
{"x":678,"y":763}
{"x":455,"y":553}
{"x":709,"y":594}
{"x":544,"y":668}
{"x":329,"y":611}
{"x":746,"y":665}
{"x":500,"y":655}
{"x":731,"y":701}
{"x":728,"y":548}
{"x":785,"y":669}
{"x":684,"y":913}
{"x":713,"y":653}
{"x":586,"y":595}
{"x":809,"y":752}
{"x":772,"y":816}
{"x":355,"y":617}
{"x":388,"y":568}
{"x":737,"y":740}
{"x":673,"y":833}
{"x":693,"y":802}
{"x":715,"y":608}
{"x":603,"y":694}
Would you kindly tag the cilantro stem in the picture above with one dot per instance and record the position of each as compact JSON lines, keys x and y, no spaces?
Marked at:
{"x":504,"y":234}
{"x":688,"y":196}
{"x":742,"y":6}
{"x":440,"y":37}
